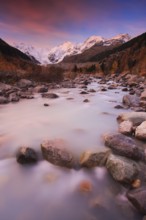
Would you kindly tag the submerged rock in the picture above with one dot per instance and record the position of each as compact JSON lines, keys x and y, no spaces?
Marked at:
{"x":124,"y":146}
{"x":55,"y":152}
{"x":122,"y":169}
{"x":138,"y":198}
{"x":93,"y":159}
{"x":140,"y":131}
{"x":50,"y":95}
{"x":26,"y":155}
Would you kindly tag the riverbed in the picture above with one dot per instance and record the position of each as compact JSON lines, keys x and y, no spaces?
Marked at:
{"x":47,"y":192}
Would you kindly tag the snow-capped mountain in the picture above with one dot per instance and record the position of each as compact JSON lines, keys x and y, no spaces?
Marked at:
{"x":57,"y":54}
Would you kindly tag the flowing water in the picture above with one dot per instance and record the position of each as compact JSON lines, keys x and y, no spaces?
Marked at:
{"x":44,"y":191}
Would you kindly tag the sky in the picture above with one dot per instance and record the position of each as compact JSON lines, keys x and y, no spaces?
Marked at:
{"x":47,"y":23}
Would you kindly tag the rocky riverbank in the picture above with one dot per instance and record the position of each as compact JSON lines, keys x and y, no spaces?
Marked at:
{"x":125,"y":157}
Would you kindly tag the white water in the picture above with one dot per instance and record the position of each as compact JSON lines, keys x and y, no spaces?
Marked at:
{"x":47,"y":192}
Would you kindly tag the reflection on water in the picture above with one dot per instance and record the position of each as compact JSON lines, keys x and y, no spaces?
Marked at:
{"x":47,"y":192}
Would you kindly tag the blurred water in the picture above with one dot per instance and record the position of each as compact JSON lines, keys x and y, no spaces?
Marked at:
{"x":47,"y":192}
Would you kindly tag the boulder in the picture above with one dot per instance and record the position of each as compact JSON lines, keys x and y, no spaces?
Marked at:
{"x":41,"y":89}
{"x":50,"y":95}
{"x":126,"y":127}
{"x":26,"y":155}
{"x":91,"y":90}
{"x":122,"y":169}
{"x":119,"y":107}
{"x":13,"y":97}
{"x":140,"y":131}
{"x":55,"y":152}
{"x":93,"y":159}
{"x":123,"y":146}
{"x":143,"y":96}
{"x":138,"y":198}
{"x":3,"y":100}
{"x":135,"y":117}
{"x":46,"y":104}
{"x":131,"y":100}
{"x":24,"y":83}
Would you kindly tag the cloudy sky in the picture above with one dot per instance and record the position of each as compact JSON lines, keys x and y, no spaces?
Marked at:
{"x":51,"y":22}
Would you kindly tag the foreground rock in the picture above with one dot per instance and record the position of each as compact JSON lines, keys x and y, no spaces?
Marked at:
{"x":126,"y":127}
{"x":140,"y":131}
{"x":131,"y":100}
{"x":122,"y":169}
{"x":135,"y":117}
{"x":90,"y":159}
{"x":124,"y":146}
{"x":26,"y":155}
{"x":55,"y":152}
{"x":50,"y":95}
{"x":138,"y":198}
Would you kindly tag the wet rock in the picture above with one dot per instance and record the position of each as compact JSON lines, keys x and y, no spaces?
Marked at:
{"x":103,"y":89}
{"x":93,"y":159}
{"x":131,"y":100}
{"x":46,"y":104}
{"x":3,"y":100}
{"x":50,"y":95}
{"x":26,"y":155}
{"x":124,"y":146}
{"x":112,"y":87}
{"x":135,"y":117}
{"x":119,"y":107}
{"x":24,"y":83}
{"x":138,"y":198}
{"x":143,"y":96}
{"x":125,"y":89}
{"x":13,"y":97}
{"x":55,"y":152}
{"x":91,"y":90}
{"x":136,"y":183}
{"x":140,"y":131}
{"x":86,"y":100}
{"x":83,"y":93}
{"x":122,"y":169}
{"x":26,"y":95}
{"x":41,"y":89}
{"x":126,"y":127}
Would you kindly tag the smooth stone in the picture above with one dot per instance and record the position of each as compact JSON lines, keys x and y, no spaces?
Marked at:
{"x":93,"y":159}
{"x":46,"y":105}
{"x":135,"y":117}
{"x":123,"y":146}
{"x":140,"y":131}
{"x":131,"y":100}
{"x":86,"y":100}
{"x":83,"y":93}
{"x":26,"y":155}
{"x":125,"y":127}
{"x":138,"y":198}
{"x":50,"y":95}
{"x":55,"y":152}
{"x":122,"y":169}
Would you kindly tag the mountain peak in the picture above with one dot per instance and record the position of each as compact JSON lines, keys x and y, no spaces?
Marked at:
{"x":57,"y":54}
